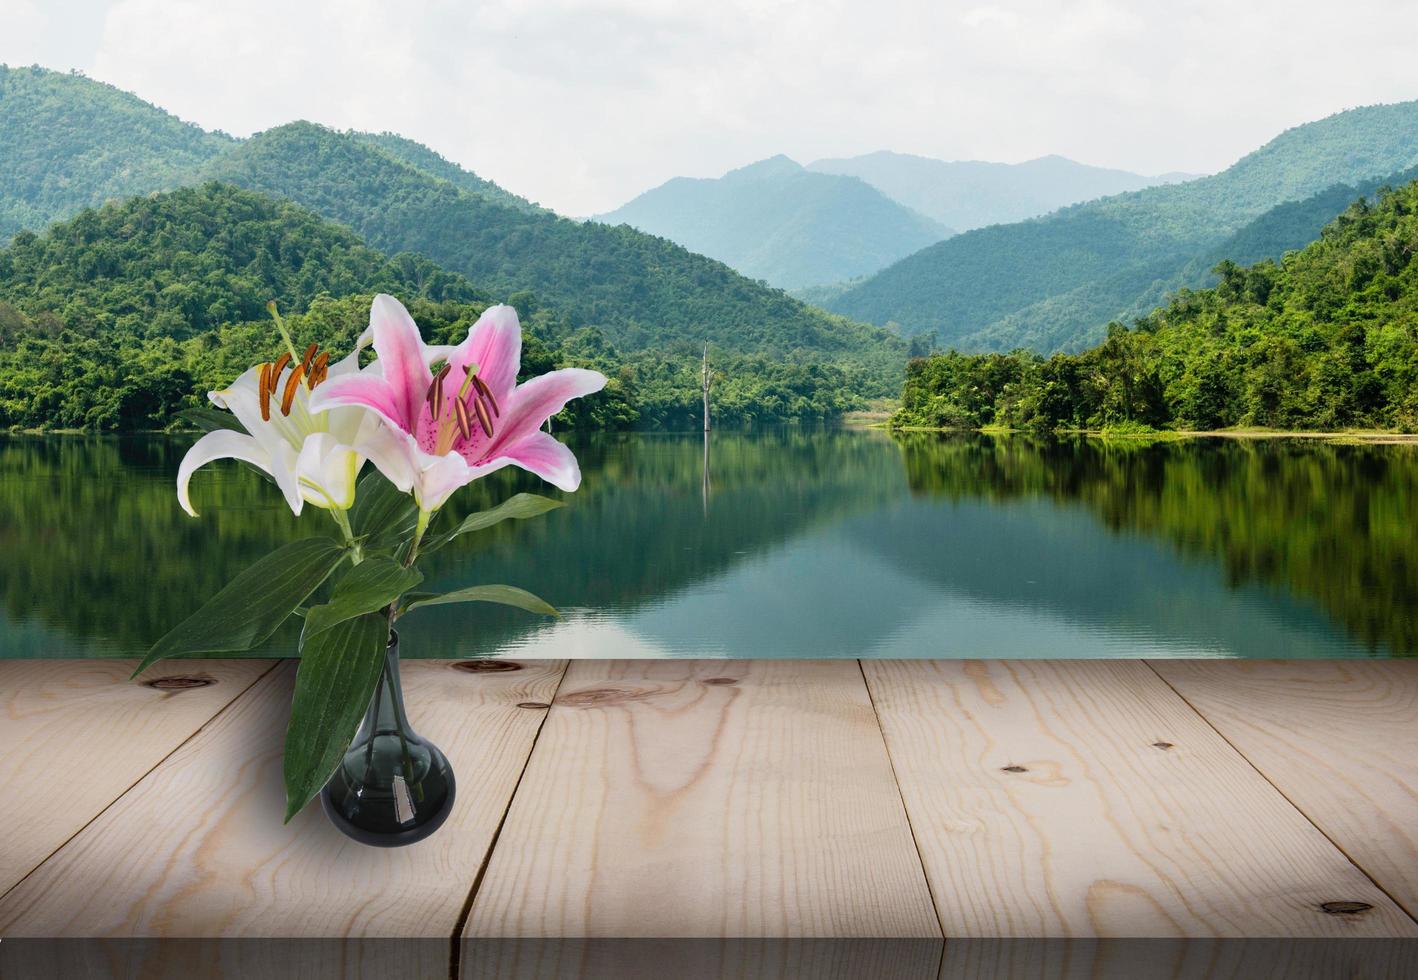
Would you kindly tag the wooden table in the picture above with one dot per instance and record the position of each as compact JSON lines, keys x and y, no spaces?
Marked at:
{"x":895,"y":819}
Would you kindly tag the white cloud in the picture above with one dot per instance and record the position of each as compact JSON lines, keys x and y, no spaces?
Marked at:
{"x":583,"y":103}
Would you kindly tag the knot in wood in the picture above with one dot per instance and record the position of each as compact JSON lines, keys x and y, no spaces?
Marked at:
{"x":180,"y":682}
{"x":486,"y":666}
{"x":1164,"y":746}
{"x":536,"y":705}
{"x":1013,"y":769}
{"x":1345,"y":908}
{"x":719,"y":681}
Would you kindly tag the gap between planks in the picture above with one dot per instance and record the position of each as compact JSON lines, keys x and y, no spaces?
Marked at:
{"x":1334,"y":738}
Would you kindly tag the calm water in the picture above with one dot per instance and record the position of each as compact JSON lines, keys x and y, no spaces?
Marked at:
{"x":800,"y":544}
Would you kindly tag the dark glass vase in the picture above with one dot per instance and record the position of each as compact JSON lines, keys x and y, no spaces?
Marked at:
{"x":393,"y":788}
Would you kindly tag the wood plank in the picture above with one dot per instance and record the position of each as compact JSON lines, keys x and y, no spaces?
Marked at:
{"x":197,"y":849}
{"x":1086,"y":799}
{"x":78,"y":733}
{"x":1339,"y":738}
{"x":706,"y":800}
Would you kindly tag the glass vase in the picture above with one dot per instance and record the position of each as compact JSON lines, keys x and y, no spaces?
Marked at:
{"x":393,"y":787}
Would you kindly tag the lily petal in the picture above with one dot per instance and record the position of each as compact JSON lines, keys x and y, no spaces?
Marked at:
{"x":221,"y":444}
{"x":438,"y":478}
{"x":538,"y":400}
{"x":539,"y":453}
{"x":365,"y":390}
{"x":326,"y":471}
{"x":401,"y":356}
{"x":494,"y":344}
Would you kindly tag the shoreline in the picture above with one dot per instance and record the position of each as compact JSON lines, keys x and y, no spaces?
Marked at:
{"x":1340,"y":436}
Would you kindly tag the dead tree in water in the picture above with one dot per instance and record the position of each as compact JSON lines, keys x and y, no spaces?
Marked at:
{"x":706,"y":377}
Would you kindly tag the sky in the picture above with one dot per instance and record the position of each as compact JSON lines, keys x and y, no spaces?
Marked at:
{"x":582,"y":104}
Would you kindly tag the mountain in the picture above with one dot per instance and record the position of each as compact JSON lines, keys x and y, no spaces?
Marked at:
{"x":180,"y":263}
{"x":435,"y":164}
{"x":970,"y":194}
{"x":1052,"y":283}
{"x":635,"y":291}
{"x":639,"y":290}
{"x":124,"y":315}
{"x":774,"y":220}
{"x":1327,"y":338}
{"x":68,"y":142}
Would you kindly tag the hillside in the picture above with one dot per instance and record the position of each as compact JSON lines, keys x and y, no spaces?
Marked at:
{"x":177,"y":264}
{"x":639,"y":290}
{"x":1327,"y":338}
{"x":775,"y":221}
{"x":1284,"y":227}
{"x":1054,"y":282}
{"x":967,"y":194}
{"x":436,"y":165}
{"x":68,"y":142}
{"x":124,"y":316}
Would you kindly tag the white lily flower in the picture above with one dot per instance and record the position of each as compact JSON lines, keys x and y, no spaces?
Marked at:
{"x":314,"y":456}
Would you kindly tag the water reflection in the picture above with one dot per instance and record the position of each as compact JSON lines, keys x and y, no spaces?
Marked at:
{"x":797,"y":544}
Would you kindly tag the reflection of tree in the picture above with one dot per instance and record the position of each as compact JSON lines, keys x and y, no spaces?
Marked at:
{"x":98,"y":551}
{"x":1330,"y":522}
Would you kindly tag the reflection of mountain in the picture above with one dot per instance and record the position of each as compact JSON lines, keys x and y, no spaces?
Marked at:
{"x":637,"y":532}
{"x":109,"y":562}
{"x":1328,"y":524}
{"x":814,"y":544}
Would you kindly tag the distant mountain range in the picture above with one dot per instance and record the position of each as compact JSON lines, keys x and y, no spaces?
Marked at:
{"x":867,"y":234}
{"x":777,"y":221}
{"x":1053,"y":283}
{"x":968,"y":194}
{"x":837,"y":220}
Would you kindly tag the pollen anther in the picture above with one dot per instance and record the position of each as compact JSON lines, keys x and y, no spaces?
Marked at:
{"x":288,"y":395}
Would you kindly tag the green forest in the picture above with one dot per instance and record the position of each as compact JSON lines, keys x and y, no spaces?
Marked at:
{"x":124,"y":316}
{"x":1326,"y":338}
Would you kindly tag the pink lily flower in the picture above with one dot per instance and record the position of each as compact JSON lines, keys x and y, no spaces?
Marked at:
{"x":468,"y":419}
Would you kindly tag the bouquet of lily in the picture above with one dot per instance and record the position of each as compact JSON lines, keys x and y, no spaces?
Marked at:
{"x":431,"y":419}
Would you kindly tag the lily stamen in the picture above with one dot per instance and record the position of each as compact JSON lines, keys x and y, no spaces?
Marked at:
{"x":280,"y":366}
{"x":319,"y":370}
{"x":309,"y":356}
{"x":264,"y":392}
{"x":288,"y":395}
{"x":435,"y":391}
{"x":464,"y":426}
{"x":483,"y":420}
{"x":486,"y":393}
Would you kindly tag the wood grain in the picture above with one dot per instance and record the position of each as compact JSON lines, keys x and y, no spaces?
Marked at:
{"x":1086,"y":799}
{"x":197,"y":849}
{"x":1339,"y":738}
{"x":78,"y":733}
{"x":684,"y":799}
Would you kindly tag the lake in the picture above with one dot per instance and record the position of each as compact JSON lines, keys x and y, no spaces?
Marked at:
{"x":793,"y":543}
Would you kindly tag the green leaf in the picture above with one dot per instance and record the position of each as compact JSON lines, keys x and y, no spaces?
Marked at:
{"x":205,"y":418}
{"x":507,"y":595}
{"x":520,"y":507}
{"x":368,"y":587}
{"x":254,"y":603}
{"x":382,"y":514}
{"x":333,"y":687}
